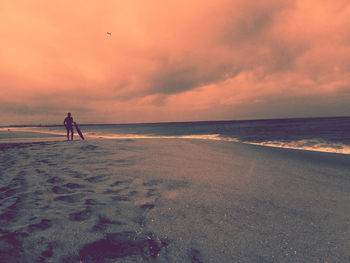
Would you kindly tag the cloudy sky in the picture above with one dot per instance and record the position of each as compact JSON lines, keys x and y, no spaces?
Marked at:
{"x":169,"y":60}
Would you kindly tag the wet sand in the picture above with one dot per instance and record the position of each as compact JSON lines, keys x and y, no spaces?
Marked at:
{"x":172,"y":200}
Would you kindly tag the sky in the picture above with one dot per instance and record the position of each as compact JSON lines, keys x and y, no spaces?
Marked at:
{"x":183,"y":60}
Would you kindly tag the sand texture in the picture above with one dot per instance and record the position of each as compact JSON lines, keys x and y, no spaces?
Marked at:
{"x":172,"y":200}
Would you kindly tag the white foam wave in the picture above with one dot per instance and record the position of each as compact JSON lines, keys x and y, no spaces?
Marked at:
{"x":148,"y":136}
{"x":308,"y":145}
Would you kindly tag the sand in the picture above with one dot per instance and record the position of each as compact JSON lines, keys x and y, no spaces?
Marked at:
{"x":172,"y":200}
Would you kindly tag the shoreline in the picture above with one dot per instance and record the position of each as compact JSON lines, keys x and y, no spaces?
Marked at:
{"x":60,"y":138}
{"x":325,"y":140}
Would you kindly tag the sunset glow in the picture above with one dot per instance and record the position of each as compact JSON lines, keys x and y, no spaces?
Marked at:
{"x":173,"y":60}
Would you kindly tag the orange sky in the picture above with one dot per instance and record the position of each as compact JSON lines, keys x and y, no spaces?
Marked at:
{"x":172,"y":60}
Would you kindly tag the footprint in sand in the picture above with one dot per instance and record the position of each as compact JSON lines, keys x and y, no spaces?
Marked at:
{"x":46,"y":161}
{"x":74,"y":186}
{"x":59,"y":190}
{"x":11,"y":246}
{"x":110,"y":191}
{"x":151,"y":192}
{"x":55,"y":180}
{"x":120,"y":198}
{"x":48,"y":252}
{"x":98,"y":178}
{"x":121,"y":245}
{"x":103,"y":222}
{"x":153,"y":182}
{"x":68,"y":198}
{"x":120,"y":182}
{"x":12,"y":210}
{"x":81,"y":216}
{"x":89,"y":147}
{"x":16,"y":185}
{"x":195,"y":256}
{"x":43,"y":225}
{"x":91,"y":202}
{"x":147,"y":206}
{"x":7,"y":191}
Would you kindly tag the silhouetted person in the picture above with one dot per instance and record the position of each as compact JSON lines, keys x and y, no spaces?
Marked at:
{"x":68,"y":123}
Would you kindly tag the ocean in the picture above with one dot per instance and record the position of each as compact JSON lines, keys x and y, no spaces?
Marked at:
{"x":316,"y":134}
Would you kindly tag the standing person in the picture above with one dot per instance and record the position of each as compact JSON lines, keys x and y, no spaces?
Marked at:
{"x":68,"y":123}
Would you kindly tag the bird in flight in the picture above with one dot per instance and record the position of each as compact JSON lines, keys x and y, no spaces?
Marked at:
{"x":109,"y":33}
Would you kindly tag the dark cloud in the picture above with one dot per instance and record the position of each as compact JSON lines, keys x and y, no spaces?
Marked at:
{"x":30,"y":109}
{"x":307,"y":106}
{"x":284,"y":55}
{"x":250,"y":21}
{"x":177,"y":77}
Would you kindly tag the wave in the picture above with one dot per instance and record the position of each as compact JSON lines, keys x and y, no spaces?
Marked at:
{"x":151,"y":136}
{"x":307,"y":145}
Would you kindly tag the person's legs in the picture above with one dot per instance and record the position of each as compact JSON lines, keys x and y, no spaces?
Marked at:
{"x":72,"y":133}
{"x":67,"y":134}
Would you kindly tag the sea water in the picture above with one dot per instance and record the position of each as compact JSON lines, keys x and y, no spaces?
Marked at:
{"x":317,"y":134}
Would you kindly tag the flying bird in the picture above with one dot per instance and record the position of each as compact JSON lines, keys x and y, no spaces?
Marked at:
{"x":109,"y":33}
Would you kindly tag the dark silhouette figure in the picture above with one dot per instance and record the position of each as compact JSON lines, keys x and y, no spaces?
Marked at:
{"x":68,"y":123}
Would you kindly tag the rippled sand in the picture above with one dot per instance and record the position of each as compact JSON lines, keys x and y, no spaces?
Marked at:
{"x":172,"y":200}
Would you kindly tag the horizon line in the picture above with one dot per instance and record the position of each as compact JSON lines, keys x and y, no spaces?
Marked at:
{"x":169,"y":122}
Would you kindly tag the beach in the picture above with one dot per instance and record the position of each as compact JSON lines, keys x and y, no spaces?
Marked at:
{"x":171,"y":200}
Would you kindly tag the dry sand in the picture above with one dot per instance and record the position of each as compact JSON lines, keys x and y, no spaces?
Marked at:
{"x":172,"y":200}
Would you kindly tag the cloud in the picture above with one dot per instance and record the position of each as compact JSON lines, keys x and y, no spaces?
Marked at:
{"x":172,"y":60}
{"x":187,"y":74}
